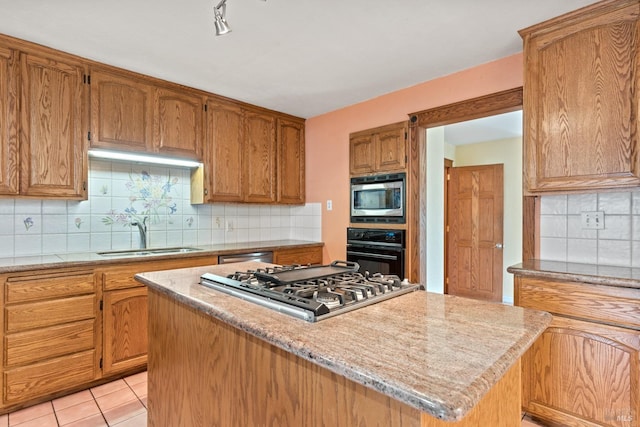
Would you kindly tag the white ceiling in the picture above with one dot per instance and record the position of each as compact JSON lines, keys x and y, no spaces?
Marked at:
{"x":492,"y":128}
{"x":303,"y":57}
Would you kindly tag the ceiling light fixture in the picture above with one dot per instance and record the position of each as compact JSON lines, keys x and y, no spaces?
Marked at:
{"x":221,"y":23}
{"x":142,"y":158}
{"x":220,"y":12}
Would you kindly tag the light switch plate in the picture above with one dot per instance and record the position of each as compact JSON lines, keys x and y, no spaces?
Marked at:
{"x":329,"y":205}
{"x":593,"y":220}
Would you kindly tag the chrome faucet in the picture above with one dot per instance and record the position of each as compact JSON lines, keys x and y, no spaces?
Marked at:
{"x":142,"y":228}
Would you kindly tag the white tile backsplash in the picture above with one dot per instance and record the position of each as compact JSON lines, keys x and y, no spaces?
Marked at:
{"x":582,"y":250}
{"x":614,"y":252}
{"x":617,"y":244}
{"x":578,"y":203}
{"x":553,"y":205}
{"x":615,"y":203}
{"x":120,"y":192}
{"x":553,"y":226}
{"x":554,"y":248}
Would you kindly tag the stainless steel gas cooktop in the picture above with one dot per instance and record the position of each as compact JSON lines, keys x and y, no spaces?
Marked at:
{"x":310,"y":293}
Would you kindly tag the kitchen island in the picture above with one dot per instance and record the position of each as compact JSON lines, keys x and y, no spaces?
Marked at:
{"x":419,"y":359}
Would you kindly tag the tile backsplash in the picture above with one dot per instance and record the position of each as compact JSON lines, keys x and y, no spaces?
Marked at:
{"x":563,"y":238}
{"x":121,"y":193}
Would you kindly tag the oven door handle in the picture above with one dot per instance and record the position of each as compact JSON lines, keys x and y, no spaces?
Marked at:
{"x":371,"y":255}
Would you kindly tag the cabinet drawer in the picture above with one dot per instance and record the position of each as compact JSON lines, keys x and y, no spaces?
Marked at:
{"x":33,"y":381}
{"x":22,"y":317}
{"x":617,"y":306}
{"x":43,"y":286}
{"x":122,"y":277}
{"x":300,"y":256}
{"x":28,"y":347}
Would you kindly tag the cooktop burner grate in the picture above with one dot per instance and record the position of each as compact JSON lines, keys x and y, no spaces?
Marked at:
{"x":310,"y":292}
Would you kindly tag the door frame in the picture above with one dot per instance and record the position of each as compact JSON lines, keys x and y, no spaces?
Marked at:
{"x":475,"y":108}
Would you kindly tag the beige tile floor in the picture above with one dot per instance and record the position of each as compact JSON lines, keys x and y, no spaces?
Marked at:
{"x":121,"y":403}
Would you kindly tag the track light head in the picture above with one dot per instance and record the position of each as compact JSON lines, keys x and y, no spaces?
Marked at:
{"x":221,"y":25}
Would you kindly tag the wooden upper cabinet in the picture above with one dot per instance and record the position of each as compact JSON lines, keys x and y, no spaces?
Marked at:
{"x":290,"y":162}
{"x":259,"y":157}
{"x":581,"y":124}
{"x":53,"y":126}
{"x":8,"y":121}
{"x":177,"y":124}
{"x":362,"y":158}
{"x":224,"y":152}
{"x":121,"y":112}
{"x":251,"y":155}
{"x":135,"y":114}
{"x":382,"y":149}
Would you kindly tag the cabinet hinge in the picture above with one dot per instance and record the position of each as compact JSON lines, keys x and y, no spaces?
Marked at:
{"x":448,"y":177}
{"x":101,"y":363}
{"x":405,"y":136}
{"x":84,"y":185}
{"x":101,"y":304}
{"x":87,"y":79}
{"x":447,"y":228}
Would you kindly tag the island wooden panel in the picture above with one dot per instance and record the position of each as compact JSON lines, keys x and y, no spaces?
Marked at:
{"x":203,"y":372}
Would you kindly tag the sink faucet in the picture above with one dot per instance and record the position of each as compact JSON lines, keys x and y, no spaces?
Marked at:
{"x":142,"y":228}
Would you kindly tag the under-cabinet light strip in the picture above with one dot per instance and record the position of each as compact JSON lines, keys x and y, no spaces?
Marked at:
{"x":142,"y":158}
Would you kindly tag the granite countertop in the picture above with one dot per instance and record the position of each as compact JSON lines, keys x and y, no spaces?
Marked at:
{"x":625,"y":277}
{"x":83,"y":259}
{"x":437,"y":353}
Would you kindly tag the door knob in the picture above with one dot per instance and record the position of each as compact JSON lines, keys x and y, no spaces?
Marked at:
{"x":498,"y":245}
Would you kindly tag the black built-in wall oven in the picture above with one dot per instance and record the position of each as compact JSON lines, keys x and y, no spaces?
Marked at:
{"x":377,"y":250}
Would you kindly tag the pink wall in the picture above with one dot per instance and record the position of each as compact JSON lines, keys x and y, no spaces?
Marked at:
{"x":327,"y":135}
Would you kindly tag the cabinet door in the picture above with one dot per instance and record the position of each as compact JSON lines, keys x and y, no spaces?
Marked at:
{"x":391,"y":153}
{"x":8,"y":121}
{"x":291,"y":162}
{"x":362,"y":157}
{"x":259,"y":157}
{"x":178,"y":123}
{"x":53,"y":127}
{"x":124,"y":330}
{"x":223,"y":160}
{"x":582,"y":373}
{"x":121,"y":113}
{"x":581,"y":124}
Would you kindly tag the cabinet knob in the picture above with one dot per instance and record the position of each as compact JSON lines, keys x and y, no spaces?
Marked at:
{"x":498,"y":245}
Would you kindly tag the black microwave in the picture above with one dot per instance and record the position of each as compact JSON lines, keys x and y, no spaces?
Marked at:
{"x":378,"y":198}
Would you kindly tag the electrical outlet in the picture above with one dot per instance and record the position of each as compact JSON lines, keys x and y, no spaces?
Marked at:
{"x":593,"y":220}
{"x":329,"y":205}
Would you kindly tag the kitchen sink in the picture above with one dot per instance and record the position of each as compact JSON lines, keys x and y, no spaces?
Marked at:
{"x":142,"y":252}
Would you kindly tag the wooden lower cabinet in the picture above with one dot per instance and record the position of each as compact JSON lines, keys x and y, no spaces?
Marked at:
{"x":125,"y":329}
{"x":584,"y":370}
{"x":50,"y":334}
{"x":124,"y":313}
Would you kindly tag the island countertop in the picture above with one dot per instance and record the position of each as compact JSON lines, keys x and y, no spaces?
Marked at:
{"x":437,"y":353}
